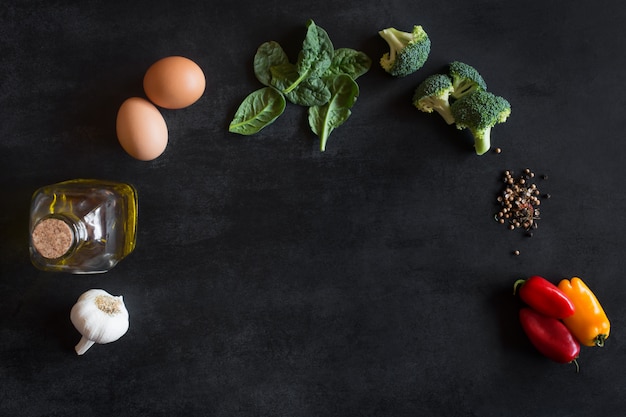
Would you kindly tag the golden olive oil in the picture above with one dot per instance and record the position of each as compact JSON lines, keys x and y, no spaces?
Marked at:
{"x":82,"y":226}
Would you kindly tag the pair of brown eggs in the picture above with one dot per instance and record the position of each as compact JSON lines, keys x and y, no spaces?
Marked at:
{"x":174,"y":82}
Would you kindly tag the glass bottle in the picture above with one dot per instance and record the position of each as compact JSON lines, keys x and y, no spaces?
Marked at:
{"x":82,"y":226}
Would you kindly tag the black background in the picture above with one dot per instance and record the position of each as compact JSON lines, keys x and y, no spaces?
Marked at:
{"x":271,"y":279}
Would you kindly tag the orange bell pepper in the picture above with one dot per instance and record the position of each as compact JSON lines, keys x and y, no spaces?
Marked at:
{"x":589,"y":323}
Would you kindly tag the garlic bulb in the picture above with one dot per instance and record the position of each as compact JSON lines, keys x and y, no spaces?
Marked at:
{"x":99,"y":317}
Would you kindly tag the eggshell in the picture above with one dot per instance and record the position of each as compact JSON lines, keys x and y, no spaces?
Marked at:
{"x":174,"y":82}
{"x":141,"y":129}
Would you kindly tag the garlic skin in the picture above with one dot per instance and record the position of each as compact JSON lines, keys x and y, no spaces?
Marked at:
{"x":99,"y":317}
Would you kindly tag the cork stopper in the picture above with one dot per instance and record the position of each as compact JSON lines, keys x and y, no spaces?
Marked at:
{"x":52,"y":238}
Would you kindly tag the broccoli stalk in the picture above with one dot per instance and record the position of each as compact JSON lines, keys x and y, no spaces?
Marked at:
{"x":479,"y":112}
{"x":433,"y":95}
{"x":408,"y":51}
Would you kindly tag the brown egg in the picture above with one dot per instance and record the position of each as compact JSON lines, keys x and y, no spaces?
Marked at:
{"x":141,"y":129}
{"x":174,"y":82}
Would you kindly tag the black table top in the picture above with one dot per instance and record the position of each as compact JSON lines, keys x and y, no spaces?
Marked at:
{"x":271,"y":279}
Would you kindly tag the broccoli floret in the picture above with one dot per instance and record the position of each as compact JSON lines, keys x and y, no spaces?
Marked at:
{"x":479,"y":112}
{"x":465,"y":79}
{"x":433,"y":94}
{"x":408,"y":51}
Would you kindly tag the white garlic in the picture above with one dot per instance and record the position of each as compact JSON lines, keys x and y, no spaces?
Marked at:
{"x":99,"y":317}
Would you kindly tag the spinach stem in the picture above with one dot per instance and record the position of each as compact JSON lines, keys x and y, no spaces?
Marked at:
{"x":297,"y":82}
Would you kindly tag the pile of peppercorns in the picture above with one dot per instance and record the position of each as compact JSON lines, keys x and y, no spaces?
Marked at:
{"x":519,"y":202}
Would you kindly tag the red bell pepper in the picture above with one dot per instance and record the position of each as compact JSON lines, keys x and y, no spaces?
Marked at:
{"x":544,"y":297}
{"x":550,"y":336}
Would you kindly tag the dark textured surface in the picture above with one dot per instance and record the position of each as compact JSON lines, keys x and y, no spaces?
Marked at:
{"x":273,"y":280}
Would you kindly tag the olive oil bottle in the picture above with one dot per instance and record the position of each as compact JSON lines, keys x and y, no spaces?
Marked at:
{"x":82,"y":226}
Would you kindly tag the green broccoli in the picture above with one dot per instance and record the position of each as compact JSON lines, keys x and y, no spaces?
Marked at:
{"x":479,"y":112}
{"x":433,"y":94}
{"x":408,"y":51}
{"x":465,"y":79}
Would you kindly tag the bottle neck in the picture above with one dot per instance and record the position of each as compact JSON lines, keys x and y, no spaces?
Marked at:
{"x":55,"y":236}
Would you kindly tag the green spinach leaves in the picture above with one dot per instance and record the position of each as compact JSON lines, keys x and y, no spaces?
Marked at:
{"x":258,"y":110}
{"x":323,"y":119}
{"x":322,"y":79}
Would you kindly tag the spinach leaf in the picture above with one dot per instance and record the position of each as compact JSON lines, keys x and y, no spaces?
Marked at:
{"x":349,"y":61}
{"x":258,"y":110}
{"x":315,"y":57}
{"x":317,"y":51}
{"x":323,"y":119}
{"x":283,"y":76}
{"x":311,"y":91}
{"x":268,"y":55}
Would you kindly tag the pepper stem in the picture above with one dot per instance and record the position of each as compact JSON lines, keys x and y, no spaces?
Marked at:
{"x":575,"y":362}
{"x":599,"y":340}
{"x":518,"y":284}
{"x":83,"y":345}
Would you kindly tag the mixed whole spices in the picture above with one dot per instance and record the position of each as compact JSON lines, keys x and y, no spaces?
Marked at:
{"x":559,"y":319}
{"x":519,"y":201}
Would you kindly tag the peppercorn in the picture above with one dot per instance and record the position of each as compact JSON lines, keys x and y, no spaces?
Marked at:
{"x":519,"y":201}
